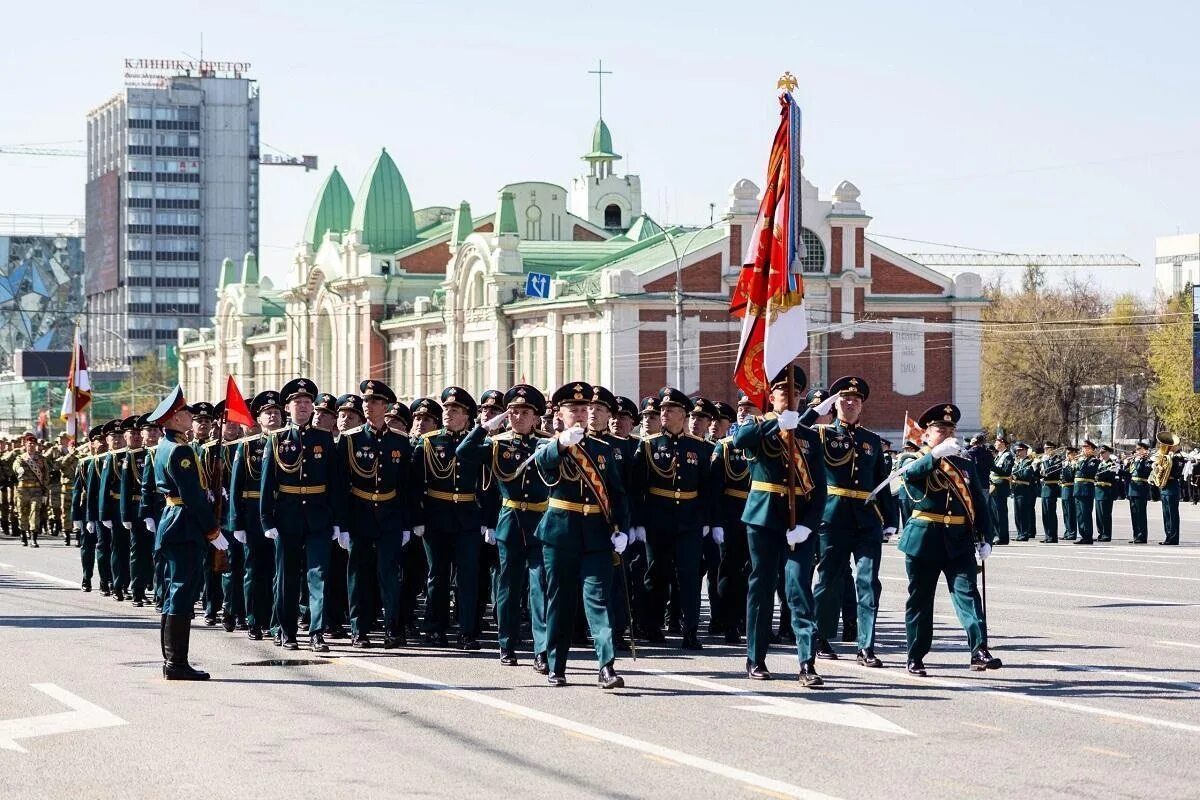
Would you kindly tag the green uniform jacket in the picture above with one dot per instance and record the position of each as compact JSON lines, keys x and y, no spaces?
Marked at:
{"x":509,"y":450}
{"x":1139,"y":475}
{"x":1067,"y":476}
{"x":376,"y":463}
{"x":1024,"y":477}
{"x":1108,"y":482}
{"x":245,"y":484}
{"x":108,"y":484}
{"x":764,"y":448}
{"x":854,"y":462}
{"x":131,"y":485}
{"x":189,"y":515}
{"x":1049,"y":471}
{"x":300,"y":458}
{"x":729,"y":481}
{"x":153,"y":503}
{"x":670,"y":482}
{"x":1001,"y":473}
{"x":562,"y":528}
{"x":440,"y":467}
{"x":1085,"y":477}
{"x":928,"y":482}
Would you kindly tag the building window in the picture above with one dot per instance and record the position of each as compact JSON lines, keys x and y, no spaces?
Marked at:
{"x":476,"y":300}
{"x":814,"y":252}
{"x":612,"y":216}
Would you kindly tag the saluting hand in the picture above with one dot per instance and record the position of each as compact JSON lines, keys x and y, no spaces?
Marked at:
{"x":789,"y":420}
{"x":497,"y":422}
{"x":571,"y":436}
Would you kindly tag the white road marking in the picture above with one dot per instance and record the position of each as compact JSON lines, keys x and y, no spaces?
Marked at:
{"x":1107,"y":572}
{"x":751,"y":779}
{"x":1154,"y":601}
{"x":1133,"y":676}
{"x":53,"y":579}
{"x":83,"y":716}
{"x":1192,"y":645}
{"x":846,"y":714}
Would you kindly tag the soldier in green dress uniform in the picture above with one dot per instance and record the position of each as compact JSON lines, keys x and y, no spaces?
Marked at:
{"x":853,"y":524}
{"x":1067,"y":476}
{"x":1000,"y":479}
{"x":81,"y":503}
{"x":672,"y":504}
{"x":103,"y":497}
{"x":141,"y":541}
{"x":776,"y":445}
{"x":1169,"y":496}
{"x":583,"y":526}
{"x":1085,"y":491}
{"x":245,"y":520}
{"x":449,"y":519}
{"x":1049,"y":471}
{"x":651,"y":416}
{"x":150,"y":511}
{"x":950,"y":523}
{"x":424,"y":415}
{"x":523,"y":501}
{"x":377,"y":497}
{"x":1024,"y":490}
{"x":187,"y":529}
{"x":1139,"y":492}
{"x":300,"y":509}
{"x":729,"y":482}
{"x":1108,"y":489}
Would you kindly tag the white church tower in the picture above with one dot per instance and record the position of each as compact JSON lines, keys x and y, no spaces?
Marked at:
{"x":602,"y":197}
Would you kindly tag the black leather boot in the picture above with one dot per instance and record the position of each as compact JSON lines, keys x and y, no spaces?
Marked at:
{"x":175,"y":650}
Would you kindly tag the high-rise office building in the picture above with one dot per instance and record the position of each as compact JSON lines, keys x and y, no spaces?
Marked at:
{"x":172,"y":190}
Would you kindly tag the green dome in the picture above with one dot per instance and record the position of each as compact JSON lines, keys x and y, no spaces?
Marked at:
{"x":331,"y":211}
{"x":602,"y":146}
{"x":383,"y":211}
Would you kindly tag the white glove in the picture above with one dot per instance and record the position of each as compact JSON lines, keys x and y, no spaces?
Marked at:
{"x":620,"y":541}
{"x":240,"y":536}
{"x":221,"y":543}
{"x":337,"y":533}
{"x":718,"y":535}
{"x":947,"y":448}
{"x":419,"y":530}
{"x":788,"y":420}
{"x":637,"y":534}
{"x":826,"y":405}
{"x":406,"y":536}
{"x":497,"y":422}
{"x":343,"y":539}
{"x":489,"y":535}
{"x":272,"y":534}
{"x":150,"y":526}
{"x":108,"y":524}
{"x":887,"y":533}
{"x":705,"y":530}
{"x":91,"y":526}
{"x":77,"y":525}
{"x":984,"y":549}
{"x":798,"y":535}
{"x":571,"y":436}
{"x":128,"y":525}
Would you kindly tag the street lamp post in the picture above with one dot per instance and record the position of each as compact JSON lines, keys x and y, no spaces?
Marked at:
{"x":679,"y":256}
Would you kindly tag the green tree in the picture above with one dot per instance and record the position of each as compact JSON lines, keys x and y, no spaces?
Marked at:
{"x":150,"y":378}
{"x":1171,"y":391}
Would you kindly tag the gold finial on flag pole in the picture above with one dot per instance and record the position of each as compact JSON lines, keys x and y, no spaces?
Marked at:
{"x":787,"y":81}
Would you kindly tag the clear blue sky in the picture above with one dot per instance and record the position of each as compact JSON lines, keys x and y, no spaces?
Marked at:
{"x":1022,"y":127}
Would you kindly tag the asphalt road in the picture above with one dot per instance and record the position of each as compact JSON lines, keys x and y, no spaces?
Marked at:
{"x":1099,"y":697}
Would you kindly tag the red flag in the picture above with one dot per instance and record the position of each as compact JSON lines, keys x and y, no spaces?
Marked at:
{"x":236,"y":409}
{"x":769,"y":295}
{"x":79,"y":388}
{"x":912,"y":431}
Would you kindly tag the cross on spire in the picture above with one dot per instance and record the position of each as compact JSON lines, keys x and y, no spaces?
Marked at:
{"x":600,"y":72}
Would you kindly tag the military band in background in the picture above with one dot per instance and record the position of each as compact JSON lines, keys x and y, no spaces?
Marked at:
{"x":343,"y":511}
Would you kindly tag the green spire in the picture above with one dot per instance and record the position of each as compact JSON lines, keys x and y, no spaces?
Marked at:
{"x":383,"y":211}
{"x":228,"y":276}
{"x":331,"y":211}
{"x":602,"y":146}
{"x":463,"y":227}
{"x":508,"y":213}
{"x":643,"y":228}
{"x":250,"y":269}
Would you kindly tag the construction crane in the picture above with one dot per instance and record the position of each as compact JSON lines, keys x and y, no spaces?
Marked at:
{"x":1023,"y":260}
{"x":265,"y":159}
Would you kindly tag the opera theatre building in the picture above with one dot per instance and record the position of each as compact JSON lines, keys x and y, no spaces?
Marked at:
{"x":437,"y":295}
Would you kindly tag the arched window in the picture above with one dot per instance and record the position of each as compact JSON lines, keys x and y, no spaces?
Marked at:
{"x":476,"y":298}
{"x":612,"y":216}
{"x":814,"y":252}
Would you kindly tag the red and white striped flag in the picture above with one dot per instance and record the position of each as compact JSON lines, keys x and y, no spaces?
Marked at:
{"x":79,"y":389}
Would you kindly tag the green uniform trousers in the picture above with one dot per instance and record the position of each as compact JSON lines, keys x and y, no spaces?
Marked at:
{"x":521,"y":565}
{"x":923,"y":574}
{"x":1137,"y":514}
{"x":1050,"y":518}
{"x":1083,"y":517}
{"x":768,"y":550}
{"x":837,"y":547}
{"x":183,"y":578}
{"x":567,"y":572}
{"x":1104,"y":519}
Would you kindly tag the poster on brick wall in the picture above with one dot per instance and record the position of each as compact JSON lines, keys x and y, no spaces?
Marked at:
{"x":908,"y":356}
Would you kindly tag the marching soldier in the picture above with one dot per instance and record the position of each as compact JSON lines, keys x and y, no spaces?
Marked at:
{"x":54,"y":454}
{"x":631,"y":572}
{"x":1000,"y":479}
{"x":724,"y":420}
{"x":776,"y":445}
{"x":1169,"y":496}
{"x":1108,"y":488}
{"x":377,"y":499}
{"x":32,"y":473}
{"x":523,"y":503}
{"x":583,"y":525}
{"x":68,"y":464}
{"x":187,"y":529}
{"x":349,"y":414}
{"x":399,"y":419}
{"x":729,"y":482}
{"x":233,"y":576}
{"x":853,"y":524}
{"x":141,"y":542}
{"x":672,"y":503}
{"x":491,"y":405}
{"x":651,"y":419}
{"x":1139,"y":492}
{"x":910,"y":452}
{"x":949,"y":524}
{"x":1049,"y":470}
{"x":245,"y":520}
{"x":147,"y":569}
{"x":1067,"y":476}
{"x":7,"y":521}
{"x":425,"y":415}
{"x":300,"y":511}
{"x":325,"y":412}
{"x":81,"y":511}
{"x":114,"y":508}
{"x":101,"y":508}
{"x":449,"y":518}
{"x":1085,"y":491}
{"x":701,"y":418}
{"x":216,"y":461}
{"x":1024,"y":490}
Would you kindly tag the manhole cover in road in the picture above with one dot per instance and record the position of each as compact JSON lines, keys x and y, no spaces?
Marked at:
{"x":284,"y":662}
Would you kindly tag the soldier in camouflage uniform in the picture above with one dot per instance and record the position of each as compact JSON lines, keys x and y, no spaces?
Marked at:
{"x":7,"y":453}
{"x":33,"y":479}
{"x":67,"y":463}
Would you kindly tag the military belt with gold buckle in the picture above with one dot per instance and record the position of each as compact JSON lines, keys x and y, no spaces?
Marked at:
{"x":302,"y":489}
{"x":943,"y":519}
{"x":451,"y":497}
{"x":524,"y":505}
{"x":857,"y":494}
{"x":251,"y":495}
{"x":172,"y":500}
{"x":373,"y":497}
{"x":738,"y":493}
{"x":673,"y":494}
{"x":587,"y":509}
